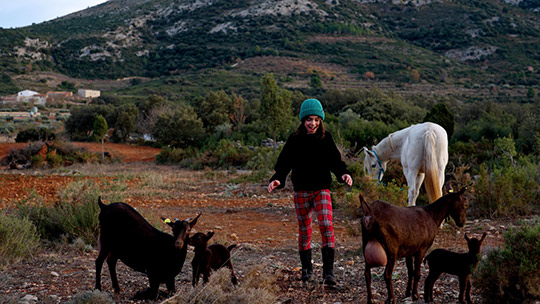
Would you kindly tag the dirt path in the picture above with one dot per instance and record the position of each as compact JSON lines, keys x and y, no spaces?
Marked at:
{"x":263,"y":225}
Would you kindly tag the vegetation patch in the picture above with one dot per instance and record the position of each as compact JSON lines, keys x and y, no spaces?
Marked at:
{"x":19,"y":238}
{"x":512,"y":274}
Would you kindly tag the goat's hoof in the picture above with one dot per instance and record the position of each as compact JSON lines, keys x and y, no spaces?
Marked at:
{"x":146,"y":294}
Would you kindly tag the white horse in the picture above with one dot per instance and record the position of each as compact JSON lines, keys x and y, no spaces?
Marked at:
{"x":423,"y":151}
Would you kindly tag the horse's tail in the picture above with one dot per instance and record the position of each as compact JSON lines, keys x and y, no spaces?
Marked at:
{"x":431,"y":180}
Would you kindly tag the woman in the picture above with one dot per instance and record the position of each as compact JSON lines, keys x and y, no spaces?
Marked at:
{"x":311,"y":154}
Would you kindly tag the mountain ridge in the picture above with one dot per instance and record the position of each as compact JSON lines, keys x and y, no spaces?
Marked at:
{"x":454,"y":42}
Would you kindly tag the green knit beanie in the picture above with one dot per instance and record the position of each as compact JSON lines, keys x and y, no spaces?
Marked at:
{"x":311,"y":107}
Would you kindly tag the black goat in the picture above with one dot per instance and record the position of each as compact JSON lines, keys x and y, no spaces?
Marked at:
{"x":126,"y":236}
{"x":210,"y":257}
{"x":460,"y":264}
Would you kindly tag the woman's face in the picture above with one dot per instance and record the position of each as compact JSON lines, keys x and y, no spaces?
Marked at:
{"x":312,"y":123}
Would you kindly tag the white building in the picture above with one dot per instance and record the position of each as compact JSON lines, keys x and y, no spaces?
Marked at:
{"x":88,"y":93}
{"x":27,"y":93}
{"x":30,"y":97}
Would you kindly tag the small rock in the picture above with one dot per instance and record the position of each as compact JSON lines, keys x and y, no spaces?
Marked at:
{"x":29,"y":298}
{"x":54,"y":274}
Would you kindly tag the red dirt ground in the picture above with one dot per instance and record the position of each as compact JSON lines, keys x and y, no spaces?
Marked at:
{"x":263,"y":224}
{"x":127,"y":153}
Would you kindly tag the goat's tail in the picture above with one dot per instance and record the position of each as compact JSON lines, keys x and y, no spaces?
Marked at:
{"x":231,"y":247}
{"x":431,"y":181}
{"x":100,"y":203}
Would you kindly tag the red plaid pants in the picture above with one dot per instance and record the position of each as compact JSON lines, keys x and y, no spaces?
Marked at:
{"x":319,"y":201}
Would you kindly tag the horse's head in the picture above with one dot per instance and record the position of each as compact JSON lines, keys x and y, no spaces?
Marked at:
{"x":459,"y":207}
{"x":373,"y":166}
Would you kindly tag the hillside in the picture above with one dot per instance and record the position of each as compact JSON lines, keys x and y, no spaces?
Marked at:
{"x":448,"y":43}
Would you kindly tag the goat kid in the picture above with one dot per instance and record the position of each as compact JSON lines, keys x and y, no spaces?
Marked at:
{"x":460,"y":264}
{"x":209,"y":258}
{"x":126,"y":236}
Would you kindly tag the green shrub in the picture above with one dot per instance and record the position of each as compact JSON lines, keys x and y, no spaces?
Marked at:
{"x":512,"y":274}
{"x":54,"y":160}
{"x":18,"y":239}
{"x":171,"y":156}
{"x":35,"y":134}
{"x":36,"y":161}
{"x":63,"y":151}
{"x":507,"y":191}
{"x":75,"y":215}
{"x":22,"y":156}
{"x":86,"y":157}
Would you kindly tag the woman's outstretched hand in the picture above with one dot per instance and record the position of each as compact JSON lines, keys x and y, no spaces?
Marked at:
{"x":347,"y":179}
{"x":273,"y":185}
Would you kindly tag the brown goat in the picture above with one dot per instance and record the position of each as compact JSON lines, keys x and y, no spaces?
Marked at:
{"x":460,"y":264}
{"x":209,"y":258}
{"x":126,"y":236}
{"x":405,"y":232}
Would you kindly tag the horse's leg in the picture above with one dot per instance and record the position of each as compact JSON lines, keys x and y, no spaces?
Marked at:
{"x":414,"y":181}
{"x":367,"y":275}
{"x":441,"y":176}
{"x":419,"y":180}
{"x":388,"y":279}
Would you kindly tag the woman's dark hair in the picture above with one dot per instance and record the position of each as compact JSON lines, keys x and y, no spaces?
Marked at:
{"x":321,"y":131}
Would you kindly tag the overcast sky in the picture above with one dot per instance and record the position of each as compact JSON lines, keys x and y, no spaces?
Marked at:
{"x":18,"y":13}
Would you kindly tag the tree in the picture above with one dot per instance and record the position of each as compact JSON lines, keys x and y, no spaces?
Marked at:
{"x":149,"y":111}
{"x":179,"y":128}
{"x":238,"y":114}
{"x":441,"y":115}
{"x":100,"y":132}
{"x":315,"y":81}
{"x":214,"y":109}
{"x":531,"y":93}
{"x":124,"y":124}
{"x":81,"y":121}
{"x":275,"y":106}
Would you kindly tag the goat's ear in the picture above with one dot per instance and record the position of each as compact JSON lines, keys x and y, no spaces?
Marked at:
{"x":468,"y":187}
{"x":483,"y":237}
{"x":365,"y":206}
{"x":467,"y":238}
{"x":167,"y":221}
{"x":194,"y":221}
{"x":209,"y":235}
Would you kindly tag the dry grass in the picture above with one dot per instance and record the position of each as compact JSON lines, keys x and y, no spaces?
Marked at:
{"x":257,"y":287}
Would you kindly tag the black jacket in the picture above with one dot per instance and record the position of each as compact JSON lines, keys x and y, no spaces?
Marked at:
{"x":311,"y":160}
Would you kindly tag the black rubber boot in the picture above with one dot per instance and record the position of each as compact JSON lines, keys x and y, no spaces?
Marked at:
{"x":307,"y":268}
{"x":328,"y":266}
